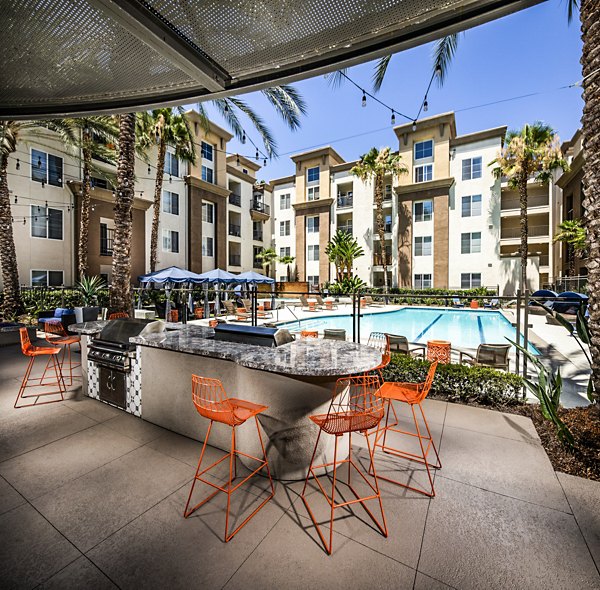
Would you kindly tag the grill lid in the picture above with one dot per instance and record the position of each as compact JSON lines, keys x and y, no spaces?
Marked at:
{"x":120,"y":331}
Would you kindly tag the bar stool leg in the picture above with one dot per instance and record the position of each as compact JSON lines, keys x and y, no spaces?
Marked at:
{"x":231,"y":468}
{"x":25,"y":380}
{"x":438,"y":464}
{"x":432,"y":494}
{"x":262,"y":446}
{"x":186,"y":513}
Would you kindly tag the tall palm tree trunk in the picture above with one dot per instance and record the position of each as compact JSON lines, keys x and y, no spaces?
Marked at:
{"x":160,"y":168}
{"x":523,"y":228}
{"x":590,"y":61}
{"x":381,"y":226}
{"x":84,"y":224}
{"x":120,"y":288}
{"x":12,"y":303}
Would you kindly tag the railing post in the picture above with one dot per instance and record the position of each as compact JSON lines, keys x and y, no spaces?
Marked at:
{"x":518,"y":332}
{"x":353,"y":317}
{"x":525,"y":335}
{"x":254,"y":306}
{"x":358,"y":318}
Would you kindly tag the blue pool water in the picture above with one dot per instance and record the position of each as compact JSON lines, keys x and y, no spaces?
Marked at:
{"x":464,"y":328}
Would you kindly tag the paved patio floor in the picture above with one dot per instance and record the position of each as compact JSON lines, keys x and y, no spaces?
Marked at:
{"x":91,"y":497}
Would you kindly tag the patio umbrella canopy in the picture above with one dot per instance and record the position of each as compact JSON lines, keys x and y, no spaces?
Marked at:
{"x":255,"y":277}
{"x":94,"y":56}
{"x":173,"y":274}
{"x":218,"y":275}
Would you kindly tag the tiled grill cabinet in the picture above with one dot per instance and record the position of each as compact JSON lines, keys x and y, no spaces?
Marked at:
{"x":295,"y":380}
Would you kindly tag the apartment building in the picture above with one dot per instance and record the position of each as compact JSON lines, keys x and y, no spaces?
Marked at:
{"x":207,"y":209}
{"x":448,"y":220}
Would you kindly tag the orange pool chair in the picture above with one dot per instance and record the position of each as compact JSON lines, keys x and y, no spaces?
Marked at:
{"x":412,"y":394}
{"x":355,"y":407}
{"x":212,"y":403}
{"x":56,"y":335}
{"x":119,"y":315}
{"x":381,"y":341}
{"x":32,"y":352}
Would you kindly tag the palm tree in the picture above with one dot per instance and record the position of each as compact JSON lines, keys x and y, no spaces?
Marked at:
{"x":376,"y":165}
{"x":533,"y":152}
{"x":342,"y":250}
{"x":120,"y":287}
{"x":168,"y":127}
{"x":267,"y":258}
{"x":10,"y":132}
{"x":573,"y":234}
{"x":288,"y":260}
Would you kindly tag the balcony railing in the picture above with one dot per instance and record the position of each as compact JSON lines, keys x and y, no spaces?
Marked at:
{"x":235,"y":200}
{"x":257,"y":235}
{"x":235,"y":230}
{"x":544,"y":260}
{"x":256,"y":263}
{"x":260,"y":207}
{"x":235,"y":260}
{"x":347,"y":227}
{"x":533,"y":231}
{"x":345,"y":200}
{"x":378,"y":261}
{"x":510,"y":204}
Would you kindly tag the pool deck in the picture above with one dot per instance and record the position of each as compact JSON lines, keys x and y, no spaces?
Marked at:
{"x":91,"y":497}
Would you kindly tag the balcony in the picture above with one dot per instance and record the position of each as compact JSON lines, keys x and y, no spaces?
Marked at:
{"x":259,"y":210}
{"x":235,"y":230}
{"x":345,"y":200}
{"x":378,"y":261}
{"x":235,"y":260}
{"x":235,"y":200}
{"x":257,"y":235}
{"x":511,"y":204}
{"x":544,"y":260}
{"x":534,"y":231}
{"x":347,"y":227}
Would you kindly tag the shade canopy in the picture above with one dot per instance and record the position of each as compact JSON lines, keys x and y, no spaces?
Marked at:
{"x":218,"y":275}
{"x":255,"y":277}
{"x":63,"y":57}
{"x":173,"y":274}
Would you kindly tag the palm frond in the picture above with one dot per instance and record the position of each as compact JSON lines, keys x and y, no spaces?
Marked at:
{"x":336,"y":79}
{"x":380,"y":71}
{"x":572,"y":7}
{"x":288,"y":103}
{"x":265,"y":134}
{"x":225,"y":108}
{"x":443,"y":54}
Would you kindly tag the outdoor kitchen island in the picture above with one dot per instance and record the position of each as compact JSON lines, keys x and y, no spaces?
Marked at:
{"x":294,"y":380}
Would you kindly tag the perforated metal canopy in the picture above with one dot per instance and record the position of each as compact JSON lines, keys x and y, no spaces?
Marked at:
{"x":90,"y":56}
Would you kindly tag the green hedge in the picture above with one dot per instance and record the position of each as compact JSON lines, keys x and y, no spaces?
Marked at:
{"x":459,"y":382}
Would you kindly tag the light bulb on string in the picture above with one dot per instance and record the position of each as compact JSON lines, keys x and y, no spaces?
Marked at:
{"x":414,"y":126}
{"x":243,"y":137}
{"x":43,"y":183}
{"x":38,"y":208}
{"x":226,"y":109}
{"x":16,"y":199}
{"x":46,"y":204}
{"x":39,"y":162}
{"x":170,"y":178}
{"x":257,"y":154}
{"x":149,"y":171}
{"x":425,"y":106}
{"x":24,"y":221}
{"x":393,"y":121}
{"x":237,"y":159}
{"x":265,"y":162}
{"x":18,"y":164}
{"x":364,"y":99}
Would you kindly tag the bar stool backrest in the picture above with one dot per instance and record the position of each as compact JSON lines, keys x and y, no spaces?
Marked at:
{"x":53,"y":330}
{"x":380,"y":341}
{"x":426,"y":385}
{"x":119,"y":315}
{"x":356,"y":395}
{"x":26,"y":347}
{"x":211,"y":401}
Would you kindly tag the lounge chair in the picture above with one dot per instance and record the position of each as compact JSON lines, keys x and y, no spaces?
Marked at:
{"x":260,"y":313}
{"x":310,"y":306}
{"x":239,"y":313}
{"x":370,"y":303}
{"x":493,"y":304}
{"x":403,"y":346}
{"x":456,"y":302}
{"x":334,"y":334}
{"x":488,"y":355}
{"x":330,"y":305}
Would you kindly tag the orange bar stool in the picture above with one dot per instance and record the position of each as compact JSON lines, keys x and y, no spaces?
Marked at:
{"x":56,"y":335}
{"x":212,"y":402}
{"x":173,"y":316}
{"x":412,"y":394}
{"x":32,"y":352}
{"x":119,"y":315}
{"x":309,"y":334}
{"x":355,"y":407}
{"x":381,"y":341}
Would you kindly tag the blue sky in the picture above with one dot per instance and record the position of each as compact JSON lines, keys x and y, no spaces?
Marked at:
{"x":532,"y":51}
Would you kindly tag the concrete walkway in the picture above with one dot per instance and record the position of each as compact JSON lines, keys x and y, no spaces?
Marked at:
{"x":91,"y":497}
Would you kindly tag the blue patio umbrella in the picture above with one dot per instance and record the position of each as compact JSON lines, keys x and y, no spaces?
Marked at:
{"x":216,"y":277}
{"x":255,"y":277}
{"x":172,"y":274}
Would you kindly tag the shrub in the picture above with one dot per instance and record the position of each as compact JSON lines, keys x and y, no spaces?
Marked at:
{"x":455,"y":382}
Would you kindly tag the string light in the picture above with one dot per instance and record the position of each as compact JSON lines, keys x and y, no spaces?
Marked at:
{"x":170,"y":178}
{"x":425,"y":106}
{"x":414,"y":126}
{"x":149,"y":171}
{"x":18,"y":164}
{"x":265,"y":162}
{"x":393,"y":120}
{"x":364,"y":99}
{"x":243,"y":137}
{"x":237,"y":160}
{"x":39,"y":162}
{"x":43,"y":183}
{"x":16,"y":199}
{"x":257,"y":154}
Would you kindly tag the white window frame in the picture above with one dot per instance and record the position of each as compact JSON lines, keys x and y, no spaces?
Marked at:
{"x":167,"y":236}
{"x":427,"y":170}
{"x":470,"y":280}
{"x":313,"y":193}
{"x":62,"y":272}
{"x":205,"y":242}
{"x":310,"y":253}
{"x":285,"y":201}
{"x":284,"y":228}
{"x":311,"y":227}
{"x":285,"y":251}
{"x":170,"y":157}
{"x":423,"y":241}
{"x":471,"y":240}
{"x":168,"y":200}
{"x":469,"y":199}
{"x":206,"y":172}
{"x":421,"y":279}
{"x":207,"y":206}
{"x":419,"y":218}
{"x":423,"y":158}
{"x":318,"y":174}
{"x":46,"y":167}
{"x":202,"y":150}
{"x":43,"y":212}
{"x":313,"y":280}
{"x":471,"y":165}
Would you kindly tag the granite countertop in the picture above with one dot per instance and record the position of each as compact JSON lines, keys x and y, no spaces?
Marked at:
{"x":95,"y":327}
{"x":310,"y":357}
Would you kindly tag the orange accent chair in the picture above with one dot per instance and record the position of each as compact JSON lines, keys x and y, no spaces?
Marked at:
{"x":212,"y":403}
{"x":199,"y":313}
{"x":119,"y":315}
{"x":474,"y":304}
{"x":309,"y":334}
{"x":439,"y":350}
{"x":381,"y":341}
{"x":412,"y":394}
{"x":355,"y":407}
{"x":173,"y":316}
{"x":55,"y":334}
{"x":32,"y":352}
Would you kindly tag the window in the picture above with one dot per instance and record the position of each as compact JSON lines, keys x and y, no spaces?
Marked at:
{"x":46,"y":223}
{"x":207,"y":174}
{"x":312,"y":225}
{"x":257,"y":230}
{"x":284,"y":201}
{"x":284,"y":228}
{"x":423,"y":281}
{"x":470,"y":243}
{"x":107,"y":235}
{"x":46,"y":278}
{"x":282,"y":278}
{"x":312,"y":174}
{"x":470,"y":280}
{"x":171,"y":164}
{"x":424,"y":173}
{"x":471,"y":168}
{"x":313,"y":280}
{"x":208,"y":212}
{"x":471,"y":206}
{"x":387,"y":193}
{"x":206,"y":150}
{"x":423,"y":246}
{"x":388,"y":224}
{"x":284,"y":252}
{"x":423,"y":211}
{"x":170,"y":202}
{"x":313,"y":193}
{"x":207,"y":246}
{"x":256,"y":261}
{"x":424,"y":149}
{"x":313,"y":252}
{"x":98,"y":182}
{"x":46,"y":168}
{"x":170,"y":240}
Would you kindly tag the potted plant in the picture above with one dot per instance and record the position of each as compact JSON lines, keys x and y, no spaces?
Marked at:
{"x":89,"y":288}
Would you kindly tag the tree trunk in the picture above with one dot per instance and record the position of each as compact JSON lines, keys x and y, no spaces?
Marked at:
{"x":120,"y":288}
{"x":571,"y":258}
{"x":12,"y":304}
{"x":590,"y":61}
{"x":84,"y":225}
{"x":160,"y":168}
{"x":381,"y":226}
{"x":523,"y":226}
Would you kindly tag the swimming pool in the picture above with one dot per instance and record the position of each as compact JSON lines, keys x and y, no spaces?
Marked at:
{"x":464,"y":328}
